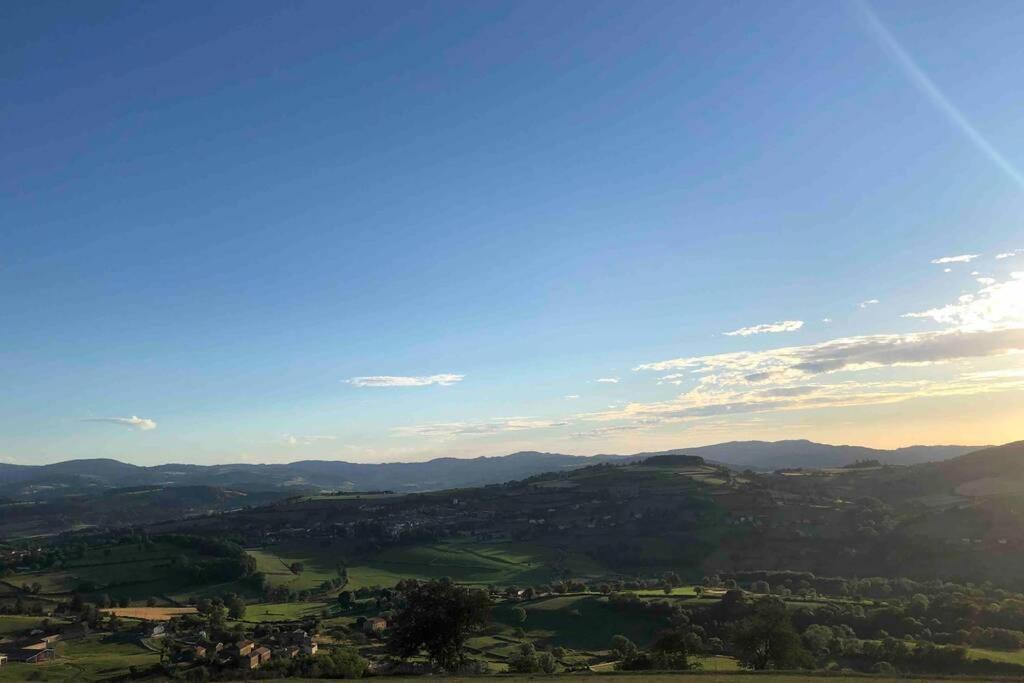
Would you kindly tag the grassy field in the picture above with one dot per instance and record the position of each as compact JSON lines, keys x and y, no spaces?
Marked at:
{"x":149,"y":613}
{"x":283,"y":611}
{"x":465,"y":562}
{"x":10,"y":623}
{"x":705,"y":677}
{"x":98,"y":657}
{"x":124,"y":570}
{"x":1008,"y":656}
{"x":579,"y":622}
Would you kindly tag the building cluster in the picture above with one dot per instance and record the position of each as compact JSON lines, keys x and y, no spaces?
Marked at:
{"x":249,"y":654}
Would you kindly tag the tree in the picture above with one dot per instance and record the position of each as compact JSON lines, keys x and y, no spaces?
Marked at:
{"x":345,"y":599}
{"x":296,"y":568}
{"x":519,"y":614}
{"x":767,"y":639}
{"x":236,"y":606}
{"x":439,"y":617}
{"x":670,"y":649}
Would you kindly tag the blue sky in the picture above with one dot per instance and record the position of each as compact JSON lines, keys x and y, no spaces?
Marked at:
{"x":212,"y":221}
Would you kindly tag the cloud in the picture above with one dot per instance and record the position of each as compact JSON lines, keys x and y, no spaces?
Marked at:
{"x":781,"y":326}
{"x":8,"y":459}
{"x":1009,"y":254}
{"x":401,"y":381}
{"x":450,"y":430}
{"x":608,"y":380}
{"x":572,"y":397}
{"x":296,"y":440}
{"x":998,"y":305}
{"x":792,"y":363}
{"x":826,"y":320}
{"x":143,"y":424}
{"x":869,"y":302}
{"x":962,"y":258}
{"x":705,"y":402}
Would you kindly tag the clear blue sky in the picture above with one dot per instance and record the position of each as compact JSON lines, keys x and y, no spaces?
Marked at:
{"x":214,"y":216}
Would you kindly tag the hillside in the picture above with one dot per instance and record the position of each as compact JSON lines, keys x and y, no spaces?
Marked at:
{"x":91,"y":476}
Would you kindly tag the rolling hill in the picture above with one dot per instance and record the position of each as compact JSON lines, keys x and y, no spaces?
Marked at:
{"x":21,"y":482}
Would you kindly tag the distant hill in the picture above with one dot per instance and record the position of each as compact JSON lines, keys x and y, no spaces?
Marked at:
{"x":91,"y":476}
{"x":771,"y":455}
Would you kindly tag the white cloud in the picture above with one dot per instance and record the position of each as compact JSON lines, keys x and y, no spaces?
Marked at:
{"x":792,"y":363}
{"x":826,"y":320}
{"x":8,"y":459}
{"x":962,"y":258}
{"x":143,"y":424}
{"x":608,"y":380}
{"x":986,"y":280}
{"x":296,"y":440}
{"x":781,"y":326}
{"x":869,"y":302}
{"x":1009,"y":254}
{"x":401,"y":381}
{"x":572,"y":397}
{"x":996,"y":306}
{"x":450,"y":430}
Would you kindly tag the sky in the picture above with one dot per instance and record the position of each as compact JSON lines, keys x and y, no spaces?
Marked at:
{"x":266,"y":232}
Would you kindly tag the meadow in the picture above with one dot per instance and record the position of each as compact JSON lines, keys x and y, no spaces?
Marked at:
{"x":470,"y":563}
{"x":95,"y":658}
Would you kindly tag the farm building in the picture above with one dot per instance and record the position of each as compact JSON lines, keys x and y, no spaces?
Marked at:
{"x":375,"y":625}
{"x":244,"y":647}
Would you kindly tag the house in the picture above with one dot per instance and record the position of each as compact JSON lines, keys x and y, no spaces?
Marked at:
{"x":199,"y":652}
{"x":243,"y":648}
{"x":291,"y":652}
{"x":263,"y":653}
{"x":249,"y":661}
{"x":3,"y":659}
{"x":309,"y":646}
{"x":158,"y":631}
{"x":375,"y":625}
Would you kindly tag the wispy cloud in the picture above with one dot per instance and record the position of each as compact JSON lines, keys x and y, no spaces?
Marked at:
{"x":404,"y":381}
{"x":572,"y":397}
{"x":767,"y":328}
{"x":962,"y":258}
{"x":142,"y":424}
{"x":608,"y":380}
{"x":869,"y":302}
{"x":450,"y":430}
{"x":1009,"y":254}
{"x":307,"y":440}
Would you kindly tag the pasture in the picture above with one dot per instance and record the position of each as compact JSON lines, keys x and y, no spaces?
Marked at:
{"x":283,"y":611}
{"x":467,"y":562}
{"x":149,"y":613}
{"x":122,"y":570}
{"x":95,"y":658}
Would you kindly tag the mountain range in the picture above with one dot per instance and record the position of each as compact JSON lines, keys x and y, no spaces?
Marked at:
{"x":95,"y":475}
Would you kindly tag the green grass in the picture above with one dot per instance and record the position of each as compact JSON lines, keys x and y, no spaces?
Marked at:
{"x":579,"y":622}
{"x":283,"y":611}
{"x":98,"y":657}
{"x":124,"y":570}
{"x":12,"y":624}
{"x":464,"y":561}
{"x":1007,"y":656}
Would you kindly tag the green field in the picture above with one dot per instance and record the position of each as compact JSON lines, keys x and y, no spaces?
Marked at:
{"x":283,"y":611}
{"x":95,"y":658}
{"x":10,"y":623}
{"x":124,"y":570}
{"x":466,"y":562}
{"x":1008,"y":656}
{"x":579,"y":622}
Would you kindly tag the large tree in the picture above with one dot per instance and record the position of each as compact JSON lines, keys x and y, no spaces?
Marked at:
{"x":767,"y":640}
{"x":439,"y":617}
